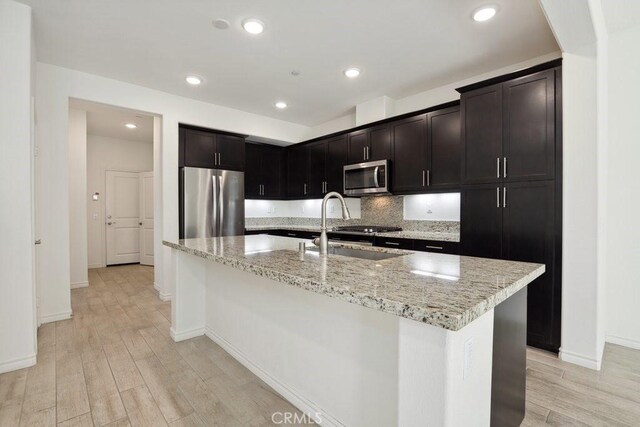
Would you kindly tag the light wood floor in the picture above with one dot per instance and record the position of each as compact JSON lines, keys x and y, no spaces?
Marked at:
{"x":115,"y":364}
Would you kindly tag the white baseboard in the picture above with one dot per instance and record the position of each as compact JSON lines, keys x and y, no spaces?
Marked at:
{"x":90,"y":266}
{"x":164,"y":296}
{"x":625,"y":342}
{"x":581,"y":360}
{"x":19,"y":363}
{"x":290,"y":394}
{"x":185,"y":335}
{"x":77,"y":285}
{"x":55,"y":317}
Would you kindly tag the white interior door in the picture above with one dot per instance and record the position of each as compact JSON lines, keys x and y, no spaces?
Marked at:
{"x":146,"y":218}
{"x":122,"y":217}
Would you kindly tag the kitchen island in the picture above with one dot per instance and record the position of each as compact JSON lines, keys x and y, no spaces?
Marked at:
{"x":405,"y":338}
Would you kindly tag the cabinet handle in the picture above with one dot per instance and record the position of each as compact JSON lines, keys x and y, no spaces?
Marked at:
{"x":428,"y":178}
{"x":219,"y":159}
{"x":423,"y":178}
{"x":364,"y":153}
{"x":263,"y":189}
{"x":497,"y":167}
{"x":392,"y":243}
{"x":215,"y":159}
{"x":504,"y":197}
{"x":291,"y":234}
{"x":504,"y":167}
{"x":368,"y":154}
{"x":498,"y":196}
{"x":434,"y":247}
{"x":305,"y":189}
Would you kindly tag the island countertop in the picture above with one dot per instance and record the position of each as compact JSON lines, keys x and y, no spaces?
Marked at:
{"x":446,"y":291}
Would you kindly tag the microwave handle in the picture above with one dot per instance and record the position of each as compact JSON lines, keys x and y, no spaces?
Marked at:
{"x":375,"y":176}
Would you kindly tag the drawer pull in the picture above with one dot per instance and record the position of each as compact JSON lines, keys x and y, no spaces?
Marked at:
{"x":392,"y":243}
{"x":434,"y":247}
{"x":291,"y":234}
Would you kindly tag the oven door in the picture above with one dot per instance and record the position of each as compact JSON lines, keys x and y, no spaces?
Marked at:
{"x":366,"y":178}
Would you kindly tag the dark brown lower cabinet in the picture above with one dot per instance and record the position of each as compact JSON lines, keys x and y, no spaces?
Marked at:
{"x":517,"y":221}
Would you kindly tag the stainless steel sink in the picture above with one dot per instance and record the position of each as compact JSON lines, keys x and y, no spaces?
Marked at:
{"x":357,"y":253}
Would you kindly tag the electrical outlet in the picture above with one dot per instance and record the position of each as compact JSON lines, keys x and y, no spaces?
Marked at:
{"x":468,"y":358}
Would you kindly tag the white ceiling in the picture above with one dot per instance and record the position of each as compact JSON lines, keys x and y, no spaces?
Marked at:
{"x":105,"y":120}
{"x":402,"y":47}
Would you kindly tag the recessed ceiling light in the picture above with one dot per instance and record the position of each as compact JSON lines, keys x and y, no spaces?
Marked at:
{"x":221,"y":24}
{"x":253,"y":26}
{"x":131,"y":125}
{"x":193,"y":80}
{"x":484,"y":13}
{"x":281,"y":105}
{"x":352,"y":73}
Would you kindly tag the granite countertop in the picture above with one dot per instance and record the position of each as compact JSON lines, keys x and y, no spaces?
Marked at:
{"x":422,"y":235}
{"x":447,"y":291}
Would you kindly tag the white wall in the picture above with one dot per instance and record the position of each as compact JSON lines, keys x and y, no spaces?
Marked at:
{"x":105,"y":154}
{"x":55,"y":85}
{"x":17,"y":293}
{"x":77,"y":194}
{"x":623,"y":226}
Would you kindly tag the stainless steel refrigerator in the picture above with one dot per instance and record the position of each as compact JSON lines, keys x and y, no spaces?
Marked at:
{"x":212,"y":203}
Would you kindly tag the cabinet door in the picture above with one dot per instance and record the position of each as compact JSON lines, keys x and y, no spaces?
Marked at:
{"x":529,"y":127}
{"x":230,"y":151}
{"x":336,"y":159}
{"x":379,"y":143}
{"x":253,"y":172}
{"x":358,"y":142}
{"x":181,"y":138}
{"x":409,"y":167}
{"x":481,"y":221}
{"x":528,"y":235}
{"x":444,"y":148}
{"x":317,"y":168}
{"x":297,"y":171}
{"x":199,"y":149}
{"x":272,"y":172}
{"x":482,"y":135}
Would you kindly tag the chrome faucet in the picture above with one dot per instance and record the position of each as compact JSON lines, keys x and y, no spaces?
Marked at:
{"x":324,"y":240}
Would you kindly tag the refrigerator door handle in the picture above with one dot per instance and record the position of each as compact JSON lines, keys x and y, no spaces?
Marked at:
{"x":221,"y":209}
{"x":214,"y":210}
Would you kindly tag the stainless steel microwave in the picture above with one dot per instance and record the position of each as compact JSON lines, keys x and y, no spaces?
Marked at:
{"x":366,"y":178}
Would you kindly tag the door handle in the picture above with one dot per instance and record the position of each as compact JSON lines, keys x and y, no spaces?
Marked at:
{"x":110,"y":223}
{"x":139,"y":223}
{"x":38,"y":242}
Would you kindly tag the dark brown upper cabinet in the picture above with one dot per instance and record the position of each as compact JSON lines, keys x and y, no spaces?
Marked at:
{"x":336,"y":159}
{"x":208,"y":149}
{"x":264,"y":176}
{"x":369,"y":144}
{"x":409,"y":145}
{"x":508,"y":130}
{"x":444,"y":147}
{"x":529,"y":127}
{"x":297,"y":164}
{"x":317,"y":169}
{"x":481,"y":111}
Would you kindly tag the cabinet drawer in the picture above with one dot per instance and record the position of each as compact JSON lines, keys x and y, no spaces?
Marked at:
{"x":437,"y":246}
{"x":351,"y":238}
{"x":391,"y":242}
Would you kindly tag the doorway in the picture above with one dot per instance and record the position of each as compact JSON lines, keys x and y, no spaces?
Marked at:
{"x":111,"y":152}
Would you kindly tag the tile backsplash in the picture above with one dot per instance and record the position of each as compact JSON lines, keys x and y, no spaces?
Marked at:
{"x":423,"y":212}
